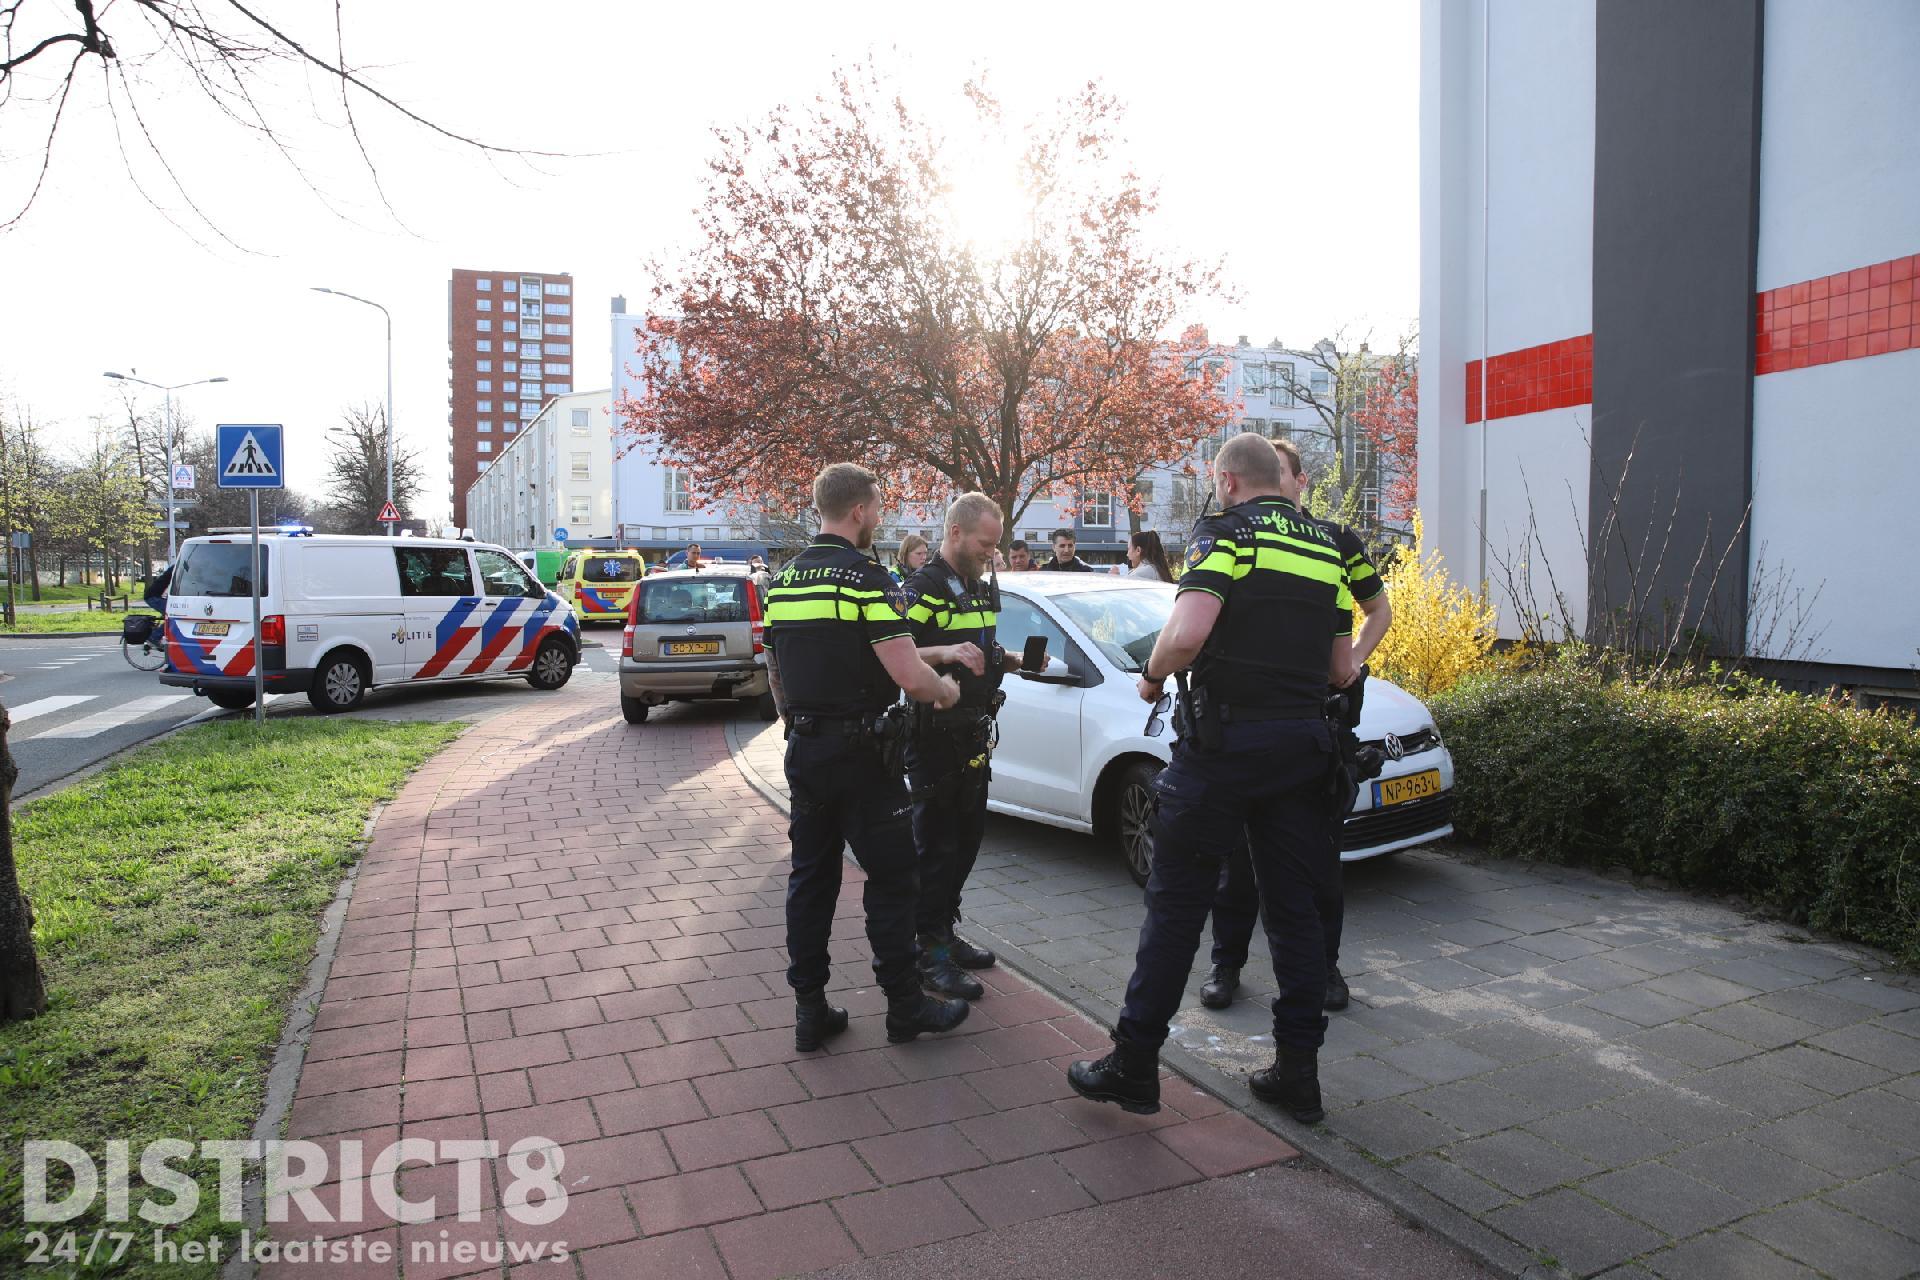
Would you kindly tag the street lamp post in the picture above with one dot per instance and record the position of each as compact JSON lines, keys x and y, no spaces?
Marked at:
{"x":167,"y":392}
{"x":389,"y":315}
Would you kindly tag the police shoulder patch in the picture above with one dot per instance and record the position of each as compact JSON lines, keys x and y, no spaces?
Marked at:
{"x":1197,"y":551}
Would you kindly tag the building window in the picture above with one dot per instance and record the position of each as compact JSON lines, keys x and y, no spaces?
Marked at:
{"x":582,"y":466}
{"x":484,"y":286}
{"x":678,"y":494}
{"x":530,"y":351}
{"x":582,"y":510}
{"x":510,"y":387}
{"x":1145,"y":489}
{"x":484,"y":446}
{"x":1283,"y":428}
{"x":559,"y":330}
{"x":483,"y":304}
{"x":530,"y":328}
{"x":581,"y":421}
{"x":1280,"y":389}
{"x":485,"y":424}
{"x":507,"y":427}
{"x":1318,"y":382}
{"x":560,"y":369}
{"x":509,"y":306}
{"x":483,"y":326}
{"x":1370,"y":506}
{"x":485,"y":344}
{"x":483,"y":366}
{"x":1253,"y":379}
{"x":529,"y":411}
{"x":529,"y":391}
{"x":557,"y":290}
{"x":509,"y":345}
{"x":484,"y":406}
{"x":559,"y":348}
{"x":483,"y":385}
{"x":559,"y":388}
{"x":559,"y":308}
{"x":1099,"y":509}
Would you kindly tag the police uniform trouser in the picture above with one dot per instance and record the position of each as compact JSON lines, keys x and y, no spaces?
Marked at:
{"x":1236,"y":908}
{"x":949,"y":819}
{"x":842,"y":796}
{"x":1268,"y":786}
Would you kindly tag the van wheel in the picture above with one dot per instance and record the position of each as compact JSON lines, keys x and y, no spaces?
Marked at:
{"x":552,"y":666}
{"x":1131,"y":817}
{"x":764,"y":705}
{"x":634,"y":709}
{"x":231,"y":699}
{"x":339,"y":685}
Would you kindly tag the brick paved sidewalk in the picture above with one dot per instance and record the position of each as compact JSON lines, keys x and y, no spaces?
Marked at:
{"x":571,"y":928}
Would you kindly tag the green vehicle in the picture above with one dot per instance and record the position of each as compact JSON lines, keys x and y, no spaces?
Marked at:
{"x":545,"y":565}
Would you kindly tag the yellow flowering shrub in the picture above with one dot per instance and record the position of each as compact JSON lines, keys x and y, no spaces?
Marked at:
{"x":1441,"y":632}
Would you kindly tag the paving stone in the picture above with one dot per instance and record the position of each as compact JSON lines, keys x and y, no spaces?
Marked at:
{"x":1756,"y":1174}
{"x":1888,"y":1050}
{"x":1442,"y":974}
{"x":1474,"y":1108}
{"x":1366,"y":1080}
{"x":1531,"y":992}
{"x":1019,"y":1192}
{"x":1879,"y":1112}
{"x":1522,"y":1163}
{"x":1565,"y":1083}
{"x":1835,"y":1148}
{"x":1604,"y":1137}
{"x":1891,"y":1199}
{"x":1401,"y":1022}
{"x":1560,"y":945}
{"x":1584,"y":1025}
{"x":1693,"y":1119}
{"x":1820,"y":961}
{"x":1391,"y":1129}
{"x":1726,"y":1255}
{"x":1654,"y":958}
{"x":1224,"y":1144}
{"x":1874,"y":991}
{"x":1531,"y":922}
{"x":801,"y":1177}
{"x":1834,"y":1241}
{"x":906,"y":1217}
{"x":1814,"y":1006}
{"x":1700,"y":988}
{"x":919,"y":1153}
{"x":1437,"y":1060}
{"x":1501,"y":959}
{"x":1596,"y":973}
{"x":1453,"y":1184}
{"x":1640,"y":1005}
{"x":1693,"y":1045}
{"x":1582,"y":1234}
{"x":1509,"y":1041}
{"x":1665,"y":1198}
{"x":1756,"y":973}
{"x":1473,"y":933}
{"x":1129,"y":1166}
{"x":1756,"y":1024}
{"x":785,"y":1243}
{"x":1746,"y":1086}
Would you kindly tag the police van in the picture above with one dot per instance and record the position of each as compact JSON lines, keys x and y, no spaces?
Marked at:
{"x":341,"y":614}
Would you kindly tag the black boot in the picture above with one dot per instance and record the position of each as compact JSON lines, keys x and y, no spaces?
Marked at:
{"x":1291,"y":1083}
{"x":1219,"y":989}
{"x":909,"y":1016}
{"x":967,"y":955}
{"x":940,"y":975}
{"x":1337,"y":994}
{"x":815,"y":1021}
{"x":1127,"y":1076}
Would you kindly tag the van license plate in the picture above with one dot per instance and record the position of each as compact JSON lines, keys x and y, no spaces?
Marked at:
{"x":678,"y":648}
{"x":211,"y":628}
{"x":1415,"y":786}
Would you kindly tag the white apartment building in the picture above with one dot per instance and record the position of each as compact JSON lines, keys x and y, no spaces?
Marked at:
{"x":552,"y":483}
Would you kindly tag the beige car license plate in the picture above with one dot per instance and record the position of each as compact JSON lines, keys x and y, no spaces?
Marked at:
{"x":685,"y":648}
{"x":211,"y":628}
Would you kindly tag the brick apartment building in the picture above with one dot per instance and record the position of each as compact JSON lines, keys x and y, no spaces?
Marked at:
{"x":509,"y":350}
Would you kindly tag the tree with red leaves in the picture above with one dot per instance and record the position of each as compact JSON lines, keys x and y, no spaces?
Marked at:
{"x":837,"y":306}
{"x":1388,"y":411}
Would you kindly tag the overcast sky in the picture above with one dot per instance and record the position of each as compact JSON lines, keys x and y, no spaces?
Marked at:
{"x":1283,"y":135}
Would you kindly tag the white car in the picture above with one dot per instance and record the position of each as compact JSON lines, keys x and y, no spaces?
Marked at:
{"x":1074,"y":751}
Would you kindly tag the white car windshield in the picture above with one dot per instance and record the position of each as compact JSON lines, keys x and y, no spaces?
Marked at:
{"x":1122,"y":624}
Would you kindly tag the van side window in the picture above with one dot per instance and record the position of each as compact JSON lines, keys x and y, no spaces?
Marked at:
{"x":504,"y":576}
{"x":434,"y":571}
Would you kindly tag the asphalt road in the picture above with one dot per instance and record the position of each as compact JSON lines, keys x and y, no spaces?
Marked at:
{"x":74,"y":701}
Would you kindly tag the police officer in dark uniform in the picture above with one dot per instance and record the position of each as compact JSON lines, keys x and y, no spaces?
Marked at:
{"x":953,"y":610}
{"x":1258,"y":615}
{"x":1237,"y":904}
{"x":833,"y":620}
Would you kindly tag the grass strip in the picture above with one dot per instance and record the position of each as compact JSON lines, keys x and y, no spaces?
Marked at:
{"x":177,"y":897}
{"x":53,"y":622}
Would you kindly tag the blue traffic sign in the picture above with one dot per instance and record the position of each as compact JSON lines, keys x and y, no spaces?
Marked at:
{"x":249,"y":456}
{"x":559,"y":535}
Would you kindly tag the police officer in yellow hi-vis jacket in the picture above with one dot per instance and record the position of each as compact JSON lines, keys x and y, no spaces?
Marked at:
{"x":1263,"y":616}
{"x":834,"y":624}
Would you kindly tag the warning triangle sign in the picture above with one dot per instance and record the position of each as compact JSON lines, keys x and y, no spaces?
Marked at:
{"x":387,"y":513}
{"x":250,"y":460}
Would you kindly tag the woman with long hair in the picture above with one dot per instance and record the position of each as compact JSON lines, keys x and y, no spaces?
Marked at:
{"x":1147,"y":557}
{"x":913,"y":554}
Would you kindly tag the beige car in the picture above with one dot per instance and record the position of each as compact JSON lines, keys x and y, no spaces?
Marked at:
{"x":694,"y":635}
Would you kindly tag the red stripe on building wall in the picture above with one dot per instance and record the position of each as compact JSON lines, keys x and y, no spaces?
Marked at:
{"x":1554,"y":375}
{"x":1868,"y":311}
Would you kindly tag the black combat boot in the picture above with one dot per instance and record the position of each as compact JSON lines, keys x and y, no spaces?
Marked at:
{"x":968,"y":955}
{"x":1219,"y":989}
{"x":1291,"y":1083}
{"x":1129,"y":1077}
{"x":815,"y":1021}
{"x":940,"y":975}
{"x":912,"y":1014}
{"x":1337,"y":994}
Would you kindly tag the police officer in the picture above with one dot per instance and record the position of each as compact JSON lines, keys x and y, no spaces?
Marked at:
{"x":845,"y":652}
{"x":953,"y":611}
{"x":1237,"y":904}
{"x":1259,"y":616}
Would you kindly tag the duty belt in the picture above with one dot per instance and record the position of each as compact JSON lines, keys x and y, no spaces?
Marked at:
{"x":1261,"y":715}
{"x":833,"y":726}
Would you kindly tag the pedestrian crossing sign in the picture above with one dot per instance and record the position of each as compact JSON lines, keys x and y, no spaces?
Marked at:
{"x":249,"y":456}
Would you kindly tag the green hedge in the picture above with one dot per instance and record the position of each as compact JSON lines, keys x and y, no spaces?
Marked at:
{"x":1804,"y":806}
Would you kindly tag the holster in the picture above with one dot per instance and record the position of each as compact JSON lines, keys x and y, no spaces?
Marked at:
{"x":889,"y":729}
{"x":1196,"y":716}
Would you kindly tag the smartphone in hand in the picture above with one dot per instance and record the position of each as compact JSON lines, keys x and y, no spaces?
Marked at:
{"x":1034,"y":656}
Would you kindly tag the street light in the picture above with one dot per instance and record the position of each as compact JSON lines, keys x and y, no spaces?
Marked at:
{"x":389,"y":315}
{"x":168,"y":392}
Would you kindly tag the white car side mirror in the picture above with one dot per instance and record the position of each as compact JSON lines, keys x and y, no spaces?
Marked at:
{"x":1055,"y":672}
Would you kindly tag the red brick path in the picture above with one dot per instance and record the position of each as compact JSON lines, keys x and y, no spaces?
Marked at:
{"x":571,"y":928}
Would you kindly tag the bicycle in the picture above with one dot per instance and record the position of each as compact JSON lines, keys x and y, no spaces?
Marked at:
{"x":143,"y":641}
